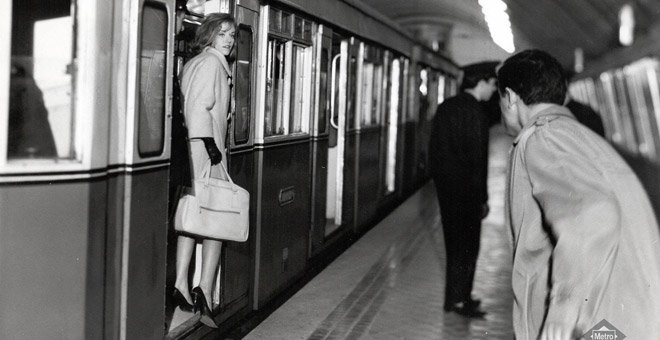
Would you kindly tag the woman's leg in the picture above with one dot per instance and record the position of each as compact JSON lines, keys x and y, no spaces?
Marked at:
{"x":184,"y":248}
{"x":210,"y":258}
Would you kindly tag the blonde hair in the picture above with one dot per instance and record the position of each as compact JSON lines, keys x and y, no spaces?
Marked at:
{"x":209,"y":29}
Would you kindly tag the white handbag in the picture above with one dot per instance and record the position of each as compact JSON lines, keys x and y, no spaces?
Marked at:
{"x":219,"y":209}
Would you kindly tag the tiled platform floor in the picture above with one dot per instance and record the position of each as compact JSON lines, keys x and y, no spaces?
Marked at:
{"x":390,"y":284}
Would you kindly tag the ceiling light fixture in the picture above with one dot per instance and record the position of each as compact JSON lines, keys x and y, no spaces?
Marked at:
{"x":498,"y":23}
{"x":626,"y":25}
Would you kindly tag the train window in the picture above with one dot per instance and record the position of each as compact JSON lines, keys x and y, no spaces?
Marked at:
{"x":152,"y":101}
{"x":307,"y":31}
{"x":591,"y":94}
{"x":367,"y":95}
{"x":623,"y":104}
{"x":575,"y":91}
{"x":242,"y":85}
{"x":351,"y":105}
{"x":377,"y":95}
{"x":298,"y":27}
{"x":287,"y":18}
{"x":608,"y":120}
{"x":300,"y":89}
{"x":288,"y":76}
{"x":433,"y":80}
{"x":274,"y":87}
{"x":441,"y":89}
{"x":41,"y":119}
{"x":635,"y":79}
{"x":607,"y":85}
{"x":323,"y":98}
{"x":449,"y":87}
{"x":422,"y":94}
{"x":385,"y":90}
{"x":392,"y":126}
{"x":217,"y":6}
{"x":302,"y":29}
{"x":424,"y":81}
{"x":275,"y":20}
{"x":651,"y":93}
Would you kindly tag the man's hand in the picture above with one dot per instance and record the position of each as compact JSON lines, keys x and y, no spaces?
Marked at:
{"x":556,"y":331}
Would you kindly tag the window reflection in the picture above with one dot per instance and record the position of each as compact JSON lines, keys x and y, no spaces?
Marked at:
{"x":323,"y":98}
{"x":392,"y":125}
{"x":243,"y":82}
{"x":152,"y":79}
{"x":287,"y":88}
{"x":274,"y":88}
{"x":298,"y":89}
{"x":40,"y":116}
{"x":367,"y":87}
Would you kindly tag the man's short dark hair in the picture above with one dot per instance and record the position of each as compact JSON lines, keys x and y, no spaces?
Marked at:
{"x":536,"y":76}
{"x":473,"y":73}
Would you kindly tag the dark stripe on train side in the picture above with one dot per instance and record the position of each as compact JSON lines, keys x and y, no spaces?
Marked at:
{"x":81,"y":175}
{"x":282,"y":142}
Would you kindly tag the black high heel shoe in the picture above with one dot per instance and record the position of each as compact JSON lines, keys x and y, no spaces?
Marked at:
{"x":203,"y":308}
{"x":180,"y":300}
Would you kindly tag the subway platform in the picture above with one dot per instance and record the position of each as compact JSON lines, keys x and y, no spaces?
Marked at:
{"x":390,"y":283}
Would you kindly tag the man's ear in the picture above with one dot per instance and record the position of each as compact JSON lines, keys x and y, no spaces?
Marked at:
{"x":511,"y":97}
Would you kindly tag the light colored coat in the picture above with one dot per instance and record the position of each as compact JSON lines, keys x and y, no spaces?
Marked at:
{"x":205,"y":85}
{"x":586,"y":241}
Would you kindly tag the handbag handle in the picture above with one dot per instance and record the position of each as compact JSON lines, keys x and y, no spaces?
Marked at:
{"x":206,"y":174}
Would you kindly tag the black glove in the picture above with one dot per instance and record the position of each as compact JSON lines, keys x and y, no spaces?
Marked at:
{"x":214,"y":153}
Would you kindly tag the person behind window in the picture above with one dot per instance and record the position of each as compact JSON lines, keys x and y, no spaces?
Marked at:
{"x":30,"y":135}
{"x":585,"y":239}
{"x":205,"y":84}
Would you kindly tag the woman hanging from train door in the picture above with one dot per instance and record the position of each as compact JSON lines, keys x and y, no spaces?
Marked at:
{"x":205,"y":84}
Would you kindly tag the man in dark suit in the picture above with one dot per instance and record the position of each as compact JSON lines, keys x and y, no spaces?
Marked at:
{"x":586,"y":115}
{"x":458,"y":159}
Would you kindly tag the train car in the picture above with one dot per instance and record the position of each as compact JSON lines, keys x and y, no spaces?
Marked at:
{"x":86,"y":104}
{"x":624,"y":88}
{"x":325,"y":107}
{"x":326,"y":135}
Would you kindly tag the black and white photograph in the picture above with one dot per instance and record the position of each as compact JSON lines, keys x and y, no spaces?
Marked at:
{"x":330,"y":169}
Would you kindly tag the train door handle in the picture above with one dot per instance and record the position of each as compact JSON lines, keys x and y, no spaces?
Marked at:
{"x":332,"y":91}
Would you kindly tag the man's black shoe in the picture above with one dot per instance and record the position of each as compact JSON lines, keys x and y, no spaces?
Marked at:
{"x":471,"y":303}
{"x":469,"y":310}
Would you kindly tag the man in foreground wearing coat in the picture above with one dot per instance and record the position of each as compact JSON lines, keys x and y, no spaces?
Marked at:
{"x":458,"y":157}
{"x":586,"y":241}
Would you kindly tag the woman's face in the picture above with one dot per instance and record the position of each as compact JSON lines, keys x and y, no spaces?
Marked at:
{"x":224,"y":40}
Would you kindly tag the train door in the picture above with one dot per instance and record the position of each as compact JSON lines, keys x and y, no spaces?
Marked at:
{"x":352,"y":134}
{"x":145,"y":184}
{"x":342,"y":144}
{"x":236,"y":262}
{"x":323,"y":86}
{"x":337,"y":142}
{"x":369,"y":134}
{"x":231,"y":295}
{"x":406,"y":140}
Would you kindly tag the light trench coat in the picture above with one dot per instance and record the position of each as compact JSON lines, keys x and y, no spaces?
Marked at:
{"x":585,"y":239}
{"x":205,"y":84}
